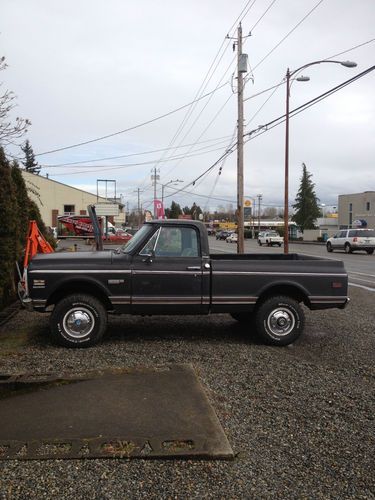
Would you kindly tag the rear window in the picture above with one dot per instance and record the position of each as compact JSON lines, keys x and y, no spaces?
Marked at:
{"x":362,"y":233}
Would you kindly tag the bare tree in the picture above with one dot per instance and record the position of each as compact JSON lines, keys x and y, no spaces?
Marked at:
{"x":10,"y":130}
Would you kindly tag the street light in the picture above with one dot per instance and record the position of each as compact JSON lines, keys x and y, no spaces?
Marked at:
{"x":289,"y":81}
{"x":167,"y":184}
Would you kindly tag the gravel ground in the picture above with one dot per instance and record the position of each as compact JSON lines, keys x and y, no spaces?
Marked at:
{"x":300,"y":419}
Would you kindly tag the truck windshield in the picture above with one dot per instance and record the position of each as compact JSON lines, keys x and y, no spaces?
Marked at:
{"x":139,"y":236}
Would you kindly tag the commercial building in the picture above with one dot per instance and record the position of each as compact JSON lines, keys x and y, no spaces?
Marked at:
{"x":55,"y":198}
{"x":357,"y":207}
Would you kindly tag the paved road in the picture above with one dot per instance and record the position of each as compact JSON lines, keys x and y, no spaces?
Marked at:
{"x":360,"y":266}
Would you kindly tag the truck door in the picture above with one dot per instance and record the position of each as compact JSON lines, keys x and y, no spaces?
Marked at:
{"x":167,"y":273}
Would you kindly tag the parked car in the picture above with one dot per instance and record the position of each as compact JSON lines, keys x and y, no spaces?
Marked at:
{"x":351,"y":240}
{"x":223,"y":235}
{"x":270,"y":238}
{"x":232,"y":238}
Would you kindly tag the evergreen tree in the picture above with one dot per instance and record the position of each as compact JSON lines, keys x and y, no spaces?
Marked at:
{"x":22,"y":212}
{"x":306,"y":206}
{"x":30,"y":164}
{"x":174,"y":211}
{"x":8,"y":224}
{"x":195,"y":211}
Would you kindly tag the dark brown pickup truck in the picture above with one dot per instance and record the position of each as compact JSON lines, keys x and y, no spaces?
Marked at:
{"x":166,"y":268}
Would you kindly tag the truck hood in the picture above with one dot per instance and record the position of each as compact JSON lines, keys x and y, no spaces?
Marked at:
{"x":73,"y":260}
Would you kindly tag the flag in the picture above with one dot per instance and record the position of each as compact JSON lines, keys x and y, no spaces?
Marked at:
{"x":158,"y":209}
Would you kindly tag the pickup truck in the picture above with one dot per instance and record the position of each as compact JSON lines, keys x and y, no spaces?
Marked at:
{"x":167,"y":268}
{"x":270,"y":238}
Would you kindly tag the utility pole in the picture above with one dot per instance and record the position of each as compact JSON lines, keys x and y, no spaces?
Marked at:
{"x":240,"y":188}
{"x":139,"y":208}
{"x":259,"y":196}
{"x":154,"y":178}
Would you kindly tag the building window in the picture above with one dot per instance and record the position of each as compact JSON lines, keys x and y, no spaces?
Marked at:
{"x":367,"y":206}
{"x":69,"y":210}
{"x":350,"y":207}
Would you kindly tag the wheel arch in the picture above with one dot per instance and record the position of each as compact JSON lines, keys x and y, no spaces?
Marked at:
{"x":80,"y":285}
{"x":286,"y":288}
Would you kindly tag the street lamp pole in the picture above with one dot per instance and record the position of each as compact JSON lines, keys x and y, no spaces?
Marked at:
{"x":286,"y":173}
{"x":167,"y":184}
{"x":289,"y":80}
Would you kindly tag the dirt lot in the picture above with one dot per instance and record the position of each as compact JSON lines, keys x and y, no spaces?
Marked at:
{"x":300,"y":419}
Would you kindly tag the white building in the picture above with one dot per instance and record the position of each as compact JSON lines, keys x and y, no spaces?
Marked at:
{"x":55,"y":198}
{"x":357,"y":207}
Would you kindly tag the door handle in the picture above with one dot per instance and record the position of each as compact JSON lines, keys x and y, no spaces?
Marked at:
{"x":194,"y":268}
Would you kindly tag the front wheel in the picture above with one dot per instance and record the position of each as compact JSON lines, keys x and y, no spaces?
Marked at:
{"x":370,"y":251}
{"x":78,"y":321}
{"x":329,"y":247}
{"x":259,"y":243}
{"x":279,"y":320}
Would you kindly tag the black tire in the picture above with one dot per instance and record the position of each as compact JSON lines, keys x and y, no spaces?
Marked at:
{"x":279,"y":245}
{"x":279,"y":320}
{"x":348,"y":248}
{"x":329,"y":247}
{"x":78,"y":321}
{"x":370,"y":251}
{"x":259,"y":243}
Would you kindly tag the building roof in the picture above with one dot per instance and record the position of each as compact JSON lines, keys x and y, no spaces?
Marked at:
{"x":62,"y":184}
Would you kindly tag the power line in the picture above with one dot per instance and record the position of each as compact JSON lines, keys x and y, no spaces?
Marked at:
{"x":131,"y":128}
{"x":353,"y":48}
{"x":261,"y":17}
{"x":206,"y":80}
{"x":287,"y":35}
{"x":277,"y":121}
{"x":127,"y":165}
{"x":94,"y":160}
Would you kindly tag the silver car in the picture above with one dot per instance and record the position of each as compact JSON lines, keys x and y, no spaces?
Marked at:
{"x":351,"y":240}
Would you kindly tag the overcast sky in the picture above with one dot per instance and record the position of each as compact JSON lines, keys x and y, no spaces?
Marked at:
{"x":84,"y":69}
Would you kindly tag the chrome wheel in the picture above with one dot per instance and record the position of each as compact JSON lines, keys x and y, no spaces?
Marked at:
{"x":78,"y":322}
{"x":281,"y":321}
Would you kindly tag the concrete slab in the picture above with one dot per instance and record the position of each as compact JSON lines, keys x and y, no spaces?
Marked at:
{"x":141,"y":412}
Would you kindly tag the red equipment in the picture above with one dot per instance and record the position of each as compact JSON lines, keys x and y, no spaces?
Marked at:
{"x":35,"y":243}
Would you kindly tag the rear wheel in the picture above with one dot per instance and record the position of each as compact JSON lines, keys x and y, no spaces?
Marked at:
{"x":279,"y":320}
{"x":78,"y":321}
{"x":329,"y":247}
{"x":370,"y":251}
{"x":348,"y":248}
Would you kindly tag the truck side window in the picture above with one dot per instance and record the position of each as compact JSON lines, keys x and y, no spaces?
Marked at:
{"x":177,"y":242}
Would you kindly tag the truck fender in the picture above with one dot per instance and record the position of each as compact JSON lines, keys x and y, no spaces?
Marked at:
{"x":288,"y":288}
{"x":79,"y":284}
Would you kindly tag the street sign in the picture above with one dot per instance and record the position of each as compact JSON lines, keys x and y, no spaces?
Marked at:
{"x":109,"y":209}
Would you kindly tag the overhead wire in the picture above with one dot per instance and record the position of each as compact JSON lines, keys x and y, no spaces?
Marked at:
{"x":277,"y":121}
{"x":352,"y":48}
{"x":147,"y":122}
{"x":43,"y":165}
{"x":287,"y":35}
{"x":262,"y":16}
{"x":128,"y":165}
{"x":242,"y":15}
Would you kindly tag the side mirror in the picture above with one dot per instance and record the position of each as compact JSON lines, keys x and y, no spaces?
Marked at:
{"x":149,"y":257}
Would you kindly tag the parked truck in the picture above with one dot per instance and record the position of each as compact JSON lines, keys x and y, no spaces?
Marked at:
{"x":167,"y":269}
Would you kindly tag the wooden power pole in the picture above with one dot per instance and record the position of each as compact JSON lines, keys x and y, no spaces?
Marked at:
{"x":240,"y":178}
